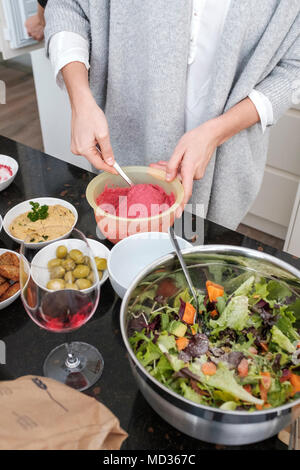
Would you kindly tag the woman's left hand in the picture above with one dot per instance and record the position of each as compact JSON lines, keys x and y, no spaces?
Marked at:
{"x":191,"y":157}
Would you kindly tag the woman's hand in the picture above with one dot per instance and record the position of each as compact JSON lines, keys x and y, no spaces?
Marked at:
{"x":195,"y":149}
{"x":191,"y":157}
{"x":90,"y":134}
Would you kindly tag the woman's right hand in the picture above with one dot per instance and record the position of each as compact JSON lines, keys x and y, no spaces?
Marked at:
{"x":90,"y":135}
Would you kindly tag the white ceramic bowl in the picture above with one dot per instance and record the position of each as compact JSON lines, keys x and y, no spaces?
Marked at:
{"x":13,"y":164}
{"x":25,"y":207}
{"x":6,"y":303}
{"x":39,"y":269}
{"x":131,"y":255}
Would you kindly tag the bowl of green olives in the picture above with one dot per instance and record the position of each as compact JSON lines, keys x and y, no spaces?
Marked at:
{"x":65,"y":264}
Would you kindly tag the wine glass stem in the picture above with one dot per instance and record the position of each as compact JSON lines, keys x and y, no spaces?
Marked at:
{"x":72,"y":361}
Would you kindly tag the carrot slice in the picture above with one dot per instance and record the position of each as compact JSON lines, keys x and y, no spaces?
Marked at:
{"x":209,"y":368}
{"x":264,"y":346}
{"x":182,"y":343}
{"x":193,"y":331}
{"x":263,"y":393}
{"x":214,"y":313}
{"x":248,"y":388}
{"x":243,"y":368}
{"x":295,"y":381}
{"x":214,"y":291}
{"x":266,"y":380}
{"x":189,"y":314}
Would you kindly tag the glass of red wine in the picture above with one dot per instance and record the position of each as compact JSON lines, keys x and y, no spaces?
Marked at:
{"x":60,"y":292}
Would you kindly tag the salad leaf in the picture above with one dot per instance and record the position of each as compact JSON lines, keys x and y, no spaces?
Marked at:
{"x":176,"y":363}
{"x":229,"y":405}
{"x":185,"y":296}
{"x":190,"y":394}
{"x":152,"y":353}
{"x":162,"y":370}
{"x":295,"y":307}
{"x":261,"y":290}
{"x":285,"y":324}
{"x":245,"y":288}
{"x":136,"y":338}
{"x":279,"y":392}
{"x":279,"y":338}
{"x":166,"y":342}
{"x":224,"y":380}
{"x":221,"y":304}
{"x":278,"y":291}
{"x":164,"y":321}
{"x":235,"y":315}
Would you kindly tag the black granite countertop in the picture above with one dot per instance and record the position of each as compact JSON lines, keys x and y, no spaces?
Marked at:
{"x":28,"y":345}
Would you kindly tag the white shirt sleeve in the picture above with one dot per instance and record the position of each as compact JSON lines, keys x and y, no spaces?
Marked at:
{"x":264,"y":108}
{"x":66,"y":47}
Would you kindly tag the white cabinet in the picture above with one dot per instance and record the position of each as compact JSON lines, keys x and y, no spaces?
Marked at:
{"x":273,"y":208}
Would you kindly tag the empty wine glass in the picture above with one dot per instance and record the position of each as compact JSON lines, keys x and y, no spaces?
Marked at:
{"x":60,"y":292}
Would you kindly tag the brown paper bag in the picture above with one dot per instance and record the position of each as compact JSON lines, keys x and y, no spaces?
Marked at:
{"x":40,"y":413}
{"x":285,"y":434}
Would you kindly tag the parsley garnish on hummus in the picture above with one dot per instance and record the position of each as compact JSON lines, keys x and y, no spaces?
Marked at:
{"x":37,"y":212}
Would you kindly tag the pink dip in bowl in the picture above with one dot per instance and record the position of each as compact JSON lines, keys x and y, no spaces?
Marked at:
{"x":138,"y":201}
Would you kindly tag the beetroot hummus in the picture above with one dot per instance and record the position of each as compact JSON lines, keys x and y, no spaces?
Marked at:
{"x":5,"y":173}
{"x":139,"y":201}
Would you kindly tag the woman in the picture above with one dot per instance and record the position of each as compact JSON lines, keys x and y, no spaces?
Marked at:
{"x":196,"y":82}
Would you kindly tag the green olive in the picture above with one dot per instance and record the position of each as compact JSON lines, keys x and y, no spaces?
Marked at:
{"x":53,"y":263}
{"x":61,"y":252}
{"x":68,"y":264}
{"x":71,"y":285}
{"x":101,"y":263}
{"x":81,"y":271}
{"x":91,"y":277}
{"x":100,"y":274}
{"x":56,"y":284}
{"x":83,"y":284}
{"x":76,"y":256}
{"x":57,"y":273}
{"x":69,"y":278}
{"x":87,"y":261}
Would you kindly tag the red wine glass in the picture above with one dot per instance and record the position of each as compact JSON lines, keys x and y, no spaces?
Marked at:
{"x":60,"y":292}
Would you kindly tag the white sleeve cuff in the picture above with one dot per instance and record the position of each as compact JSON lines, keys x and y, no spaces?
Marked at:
{"x":264,"y":108}
{"x":66,"y":47}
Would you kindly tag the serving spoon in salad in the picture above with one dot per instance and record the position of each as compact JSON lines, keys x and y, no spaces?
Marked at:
{"x":184,"y":268}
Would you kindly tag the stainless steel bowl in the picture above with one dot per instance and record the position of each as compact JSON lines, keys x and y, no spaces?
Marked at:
{"x":199,"y":421}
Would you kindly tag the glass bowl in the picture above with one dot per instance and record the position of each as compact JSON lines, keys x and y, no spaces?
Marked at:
{"x":117,"y":228}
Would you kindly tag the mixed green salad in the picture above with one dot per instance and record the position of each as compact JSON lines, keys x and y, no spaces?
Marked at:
{"x":240,"y":351}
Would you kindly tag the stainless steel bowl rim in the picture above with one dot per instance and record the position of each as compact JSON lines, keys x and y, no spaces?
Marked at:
{"x":229,"y":249}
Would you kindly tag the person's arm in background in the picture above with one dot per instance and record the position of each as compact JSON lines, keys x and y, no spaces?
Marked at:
{"x":35,"y":24}
{"x":195,"y":149}
{"x":67,"y":44}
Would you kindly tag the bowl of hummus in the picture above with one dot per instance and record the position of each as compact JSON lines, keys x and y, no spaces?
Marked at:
{"x":149,"y":205}
{"x":40,"y":221}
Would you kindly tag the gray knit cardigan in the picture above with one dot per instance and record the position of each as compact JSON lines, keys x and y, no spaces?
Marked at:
{"x":138,"y":57}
